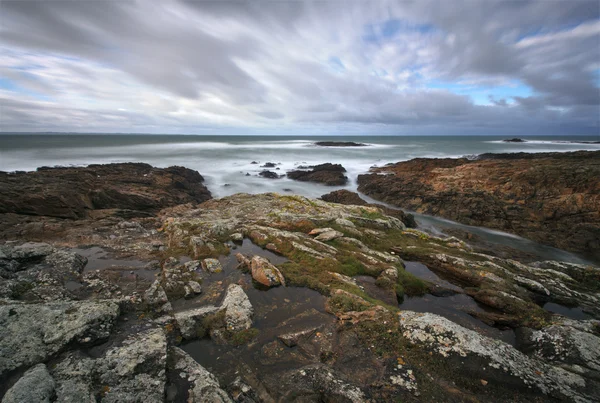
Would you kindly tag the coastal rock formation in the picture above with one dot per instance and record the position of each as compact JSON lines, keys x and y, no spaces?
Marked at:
{"x":327,"y":174}
{"x":344,"y":196}
{"x":134,"y":188}
{"x":339,"y":144}
{"x":338,"y":331}
{"x":552,"y":198}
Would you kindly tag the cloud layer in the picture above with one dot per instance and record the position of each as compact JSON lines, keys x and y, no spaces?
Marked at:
{"x":334,"y":67}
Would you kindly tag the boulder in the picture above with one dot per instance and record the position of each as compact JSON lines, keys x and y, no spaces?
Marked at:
{"x":238,"y":309}
{"x":133,"y":370}
{"x":265,"y":273}
{"x":318,"y":382}
{"x":212,"y":265}
{"x":269,"y":174}
{"x":31,"y":333}
{"x":470,"y":353}
{"x":326,"y":174}
{"x":191,"y":321}
{"x":36,"y":385}
{"x":199,"y":385}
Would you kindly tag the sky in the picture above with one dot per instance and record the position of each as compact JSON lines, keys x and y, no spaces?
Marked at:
{"x":293,"y":67}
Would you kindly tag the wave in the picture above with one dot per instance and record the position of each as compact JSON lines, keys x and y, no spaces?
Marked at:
{"x":545,"y":142}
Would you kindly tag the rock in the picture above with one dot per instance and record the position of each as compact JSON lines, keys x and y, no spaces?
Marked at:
{"x":30,"y":333}
{"x":347,"y":197}
{"x":514,"y":140}
{"x":339,"y":144}
{"x":344,"y":196}
{"x":329,"y":236}
{"x":265,"y":273}
{"x":238,"y":309}
{"x":74,"y":192}
{"x":156,"y":298}
{"x":195,"y":287}
{"x":131,"y":371}
{"x":199,"y":385}
{"x":269,"y":174}
{"x":327,"y":174}
{"x":212,"y":266}
{"x":191,"y":323}
{"x":241,"y":392}
{"x":292,"y":339}
{"x":471,"y":352}
{"x":36,"y":385}
{"x":269,"y":165}
{"x":28,"y":251}
{"x":318,"y":382}
{"x":237,"y":237}
{"x":567,"y":344}
{"x":524,"y":194}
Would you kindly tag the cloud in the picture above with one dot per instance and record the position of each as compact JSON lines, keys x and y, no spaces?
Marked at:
{"x":179,"y":66}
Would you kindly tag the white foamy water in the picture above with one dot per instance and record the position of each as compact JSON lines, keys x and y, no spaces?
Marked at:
{"x":224,"y":161}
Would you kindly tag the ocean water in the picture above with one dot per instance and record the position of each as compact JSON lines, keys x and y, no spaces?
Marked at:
{"x":224,"y":161}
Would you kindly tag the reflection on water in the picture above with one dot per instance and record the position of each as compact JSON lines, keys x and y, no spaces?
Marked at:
{"x":573,"y":313}
{"x":100,"y":259}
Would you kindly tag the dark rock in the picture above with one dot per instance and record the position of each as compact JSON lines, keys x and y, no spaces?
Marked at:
{"x":339,"y":144}
{"x":254,"y":162}
{"x":514,"y":140}
{"x":269,"y":174}
{"x":74,"y":192}
{"x":327,"y":174}
{"x":269,"y":165}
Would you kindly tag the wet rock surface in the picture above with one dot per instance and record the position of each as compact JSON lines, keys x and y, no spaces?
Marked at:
{"x":552,"y":198}
{"x":308,"y":304}
{"x":134,"y":188}
{"x":328,"y":174}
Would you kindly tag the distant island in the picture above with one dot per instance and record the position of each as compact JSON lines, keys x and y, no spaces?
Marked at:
{"x":339,"y":144}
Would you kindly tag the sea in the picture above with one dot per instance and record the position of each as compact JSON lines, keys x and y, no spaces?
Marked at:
{"x":225,"y":161}
{"x":231,"y":164}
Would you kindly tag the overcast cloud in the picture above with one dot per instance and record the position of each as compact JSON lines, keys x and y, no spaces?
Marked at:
{"x":356,"y":67}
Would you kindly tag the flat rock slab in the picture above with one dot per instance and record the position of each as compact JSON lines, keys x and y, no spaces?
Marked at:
{"x":31,"y":333}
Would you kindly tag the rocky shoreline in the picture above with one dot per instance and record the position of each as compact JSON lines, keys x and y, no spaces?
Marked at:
{"x":268,"y":297}
{"x":551,"y":198}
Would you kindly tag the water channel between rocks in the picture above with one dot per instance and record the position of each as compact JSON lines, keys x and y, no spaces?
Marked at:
{"x":282,"y":310}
